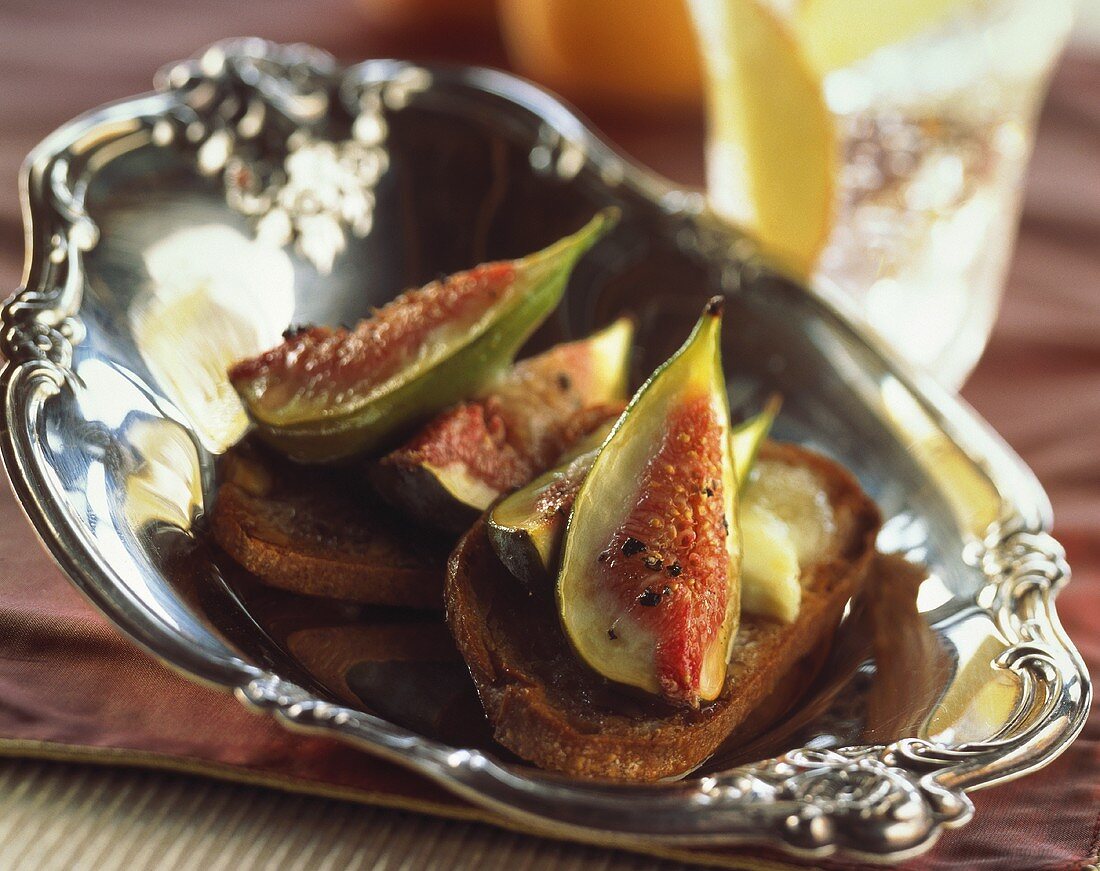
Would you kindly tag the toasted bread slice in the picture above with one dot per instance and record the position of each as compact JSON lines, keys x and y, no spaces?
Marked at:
{"x":550,"y":709}
{"x":314,"y":531}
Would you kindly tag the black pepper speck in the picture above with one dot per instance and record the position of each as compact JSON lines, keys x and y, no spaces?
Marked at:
{"x":649,"y":598}
{"x":632,"y":546}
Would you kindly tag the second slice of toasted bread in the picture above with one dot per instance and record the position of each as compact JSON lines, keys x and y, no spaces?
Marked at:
{"x":547,"y":707}
{"x":315,"y":532}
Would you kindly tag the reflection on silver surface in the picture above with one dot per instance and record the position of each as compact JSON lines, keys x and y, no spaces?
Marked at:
{"x":164,"y":484}
{"x":214,"y":297}
{"x":145,"y":274}
{"x":322,"y":188}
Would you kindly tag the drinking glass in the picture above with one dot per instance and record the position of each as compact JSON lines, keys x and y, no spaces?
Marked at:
{"x":934,"y":134}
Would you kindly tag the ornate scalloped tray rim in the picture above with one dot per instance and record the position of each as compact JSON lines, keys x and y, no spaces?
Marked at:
{"x":881,"y":803}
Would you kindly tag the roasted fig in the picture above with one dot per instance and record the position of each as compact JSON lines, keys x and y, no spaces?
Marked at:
{"x":325,"y":394}
{"x":526,"y":528}
{"x":455,"y":467}
{"x":649,"y":587}
{"x":746,"y":439}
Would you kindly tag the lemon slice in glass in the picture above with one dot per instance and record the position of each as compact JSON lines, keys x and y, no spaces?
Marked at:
{"x":836,"y":33}
{"x":772,"y":145}
{"x":772,"y":161}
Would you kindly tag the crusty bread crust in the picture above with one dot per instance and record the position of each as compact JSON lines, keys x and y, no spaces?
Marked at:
{"x":550,"y":709}
{"x":306,"y":531}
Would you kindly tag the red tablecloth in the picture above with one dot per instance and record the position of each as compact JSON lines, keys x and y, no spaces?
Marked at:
{"x":71,"y":687}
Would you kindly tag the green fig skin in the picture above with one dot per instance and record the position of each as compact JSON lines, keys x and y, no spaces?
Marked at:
{"x":330,"y":431}
{"x":526,"y":528}
{"x":658,"y":510}
{"x":746,"y":439}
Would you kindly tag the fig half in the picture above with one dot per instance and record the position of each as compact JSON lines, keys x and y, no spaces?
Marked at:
{"x":746,"y":439}
{"x":526,"y":528}
{"x":462,"y":461}
{"x":649,"y":587}
{"x":326,"y":394}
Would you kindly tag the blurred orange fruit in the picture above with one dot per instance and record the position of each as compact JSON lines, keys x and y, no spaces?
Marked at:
{"x":635,"y":54}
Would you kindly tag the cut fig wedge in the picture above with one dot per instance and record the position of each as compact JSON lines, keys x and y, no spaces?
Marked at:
{"x":649,"y":587}
{"x":462,"y":461}
{"x":326,"y":394}
{"x":746,"y":439}
{"x":526,"y":528}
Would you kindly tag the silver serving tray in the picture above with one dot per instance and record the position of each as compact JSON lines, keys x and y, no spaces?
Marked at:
{"x":262,"y":184}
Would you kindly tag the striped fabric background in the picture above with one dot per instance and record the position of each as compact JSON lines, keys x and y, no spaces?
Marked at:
{"x":64,"y":816}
